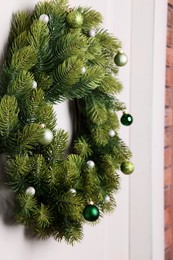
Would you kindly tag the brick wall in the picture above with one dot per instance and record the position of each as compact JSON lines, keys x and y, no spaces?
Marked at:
{"x":169,"y":138}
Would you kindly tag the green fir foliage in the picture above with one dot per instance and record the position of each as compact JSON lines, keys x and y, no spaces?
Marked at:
{"x":46,"y":63}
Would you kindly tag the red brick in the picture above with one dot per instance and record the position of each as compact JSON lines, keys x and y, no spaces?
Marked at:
{"x":170,"y":2}
{"x":168,"y":237}
{"x":169,"y":76}
{"x":169,"y":97}
{"x":168,"y":216}
{"x":170,"y":17}
{"x":168,"y":117}
{"x":169,"y":37}
{"x":168,"y":196}
{"x":169,"y":55}
{"x":168,"y":136}
{"x":168,"y":157}
{"x":168,"y":254}
{"x":168,"y":176}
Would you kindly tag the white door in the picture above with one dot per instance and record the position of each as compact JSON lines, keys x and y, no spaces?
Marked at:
{"x":111,"y":239}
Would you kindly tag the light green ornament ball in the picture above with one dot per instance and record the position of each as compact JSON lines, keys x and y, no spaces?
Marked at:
{"x":120,"y":59}
{"x":127,"y":167}
{"x":47,"y":137}
{"x":74,"y":19}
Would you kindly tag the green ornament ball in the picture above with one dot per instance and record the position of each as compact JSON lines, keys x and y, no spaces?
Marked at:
{"x":91,"y":213}
{"x":127,"y":167}
{"x":126,"y":119}
{"x":120,"y":59}
{"x":46,"y":137}
{"x":74,"y":19}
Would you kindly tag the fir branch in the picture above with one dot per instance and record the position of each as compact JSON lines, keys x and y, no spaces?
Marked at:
{"x":82,"y":147}
{"x":70,"y":45}
{"x":20,"y":85}
{"x":30,"y":136}
{"x":20,"y":23}
{"x":68,"y":73}
{"x":56,"y":150}
{"x":96,"y":111}
{"x":20,"y":165}
{"x":110,"y":85}
{"x":8,"y":116}
{"x":91,"y":18}
{"x":43,"y":217}
{"x":108,"y":42}
{"x":24,"y":59}
{"x":26,"y":208}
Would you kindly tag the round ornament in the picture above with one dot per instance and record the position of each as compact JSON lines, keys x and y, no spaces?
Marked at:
{"x":90,"y":164}
{"x":91,"y":213}
{"x":127,"y":167}
{"x":120,"y":59}
{"x":74,"y":19}
{"x":107,"y":199}
{"x":73,"y":191}
{"x":111,"y":133}
{"x":83,"y":70}
{"x":126,"y":119}
{"x":44,"y":18}
{"x":30,"y":191}
{"x":47,"y":137}
{"x":91,"y":33}
{"x":34,"y":85}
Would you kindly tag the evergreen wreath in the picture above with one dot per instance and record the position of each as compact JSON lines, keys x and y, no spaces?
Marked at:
{"x":53,"y":54}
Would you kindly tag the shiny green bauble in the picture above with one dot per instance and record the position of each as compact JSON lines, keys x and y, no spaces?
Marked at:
{"x":46,"y":137}
{"x":120,"y":59}
{"x":127,"y":167}
{"x":74,"y":19}
{"x":126,"y":119}
{"x":91,"y":213}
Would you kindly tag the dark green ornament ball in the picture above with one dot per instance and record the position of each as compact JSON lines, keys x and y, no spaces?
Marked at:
{"x":120,"y":59}
{"x":127,"y":167}
{"x":91,"y":213}
{"x":126,"y":119}
{"x":74,"y":19}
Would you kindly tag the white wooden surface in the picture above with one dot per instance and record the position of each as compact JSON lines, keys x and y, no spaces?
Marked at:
{"x":135,"y":230}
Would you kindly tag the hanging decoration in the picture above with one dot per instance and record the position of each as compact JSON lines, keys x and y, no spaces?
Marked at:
{"x":58,"y":53}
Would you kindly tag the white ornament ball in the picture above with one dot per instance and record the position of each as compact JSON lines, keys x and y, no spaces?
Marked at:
{"x":30,"y":191}
{"x":42,"y":125}
{"x":44,"y":18}
{"x":47,"y":137}
{"x":34,"y":85}
{"x":111,"y":133}
{"x":91,"y":33}
{"x":83,"y":70}
{"x":107,"y":199}
{"x":73,"y":191}
{"x":90,"y":164}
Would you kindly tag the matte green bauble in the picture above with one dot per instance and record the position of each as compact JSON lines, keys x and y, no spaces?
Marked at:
{"x":127,"y":167}
{"x":47,"y":137}
{"x":91,"y":213}
{"x":120,"y":59}
{"x":126,"y":119}
{"x":74,"y":19}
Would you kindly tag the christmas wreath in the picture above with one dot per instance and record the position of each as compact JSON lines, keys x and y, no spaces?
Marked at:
{"x":53,"y":54}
